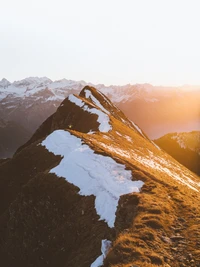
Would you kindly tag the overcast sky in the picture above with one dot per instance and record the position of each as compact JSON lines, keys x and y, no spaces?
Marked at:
{"x":101,"y":41}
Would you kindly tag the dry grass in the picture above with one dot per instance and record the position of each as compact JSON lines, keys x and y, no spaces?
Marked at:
{"x":147,"y":223}
{"x":145,"y":238}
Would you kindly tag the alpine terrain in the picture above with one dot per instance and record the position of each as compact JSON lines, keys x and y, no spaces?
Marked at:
{"x":90,"y":189}
{"x":184,"y":147}
{"x":29,"y":102}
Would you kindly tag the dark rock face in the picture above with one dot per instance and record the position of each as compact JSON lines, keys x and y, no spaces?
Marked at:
{"x":71,"y":116}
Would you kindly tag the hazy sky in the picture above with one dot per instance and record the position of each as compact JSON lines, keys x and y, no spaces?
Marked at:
{"x":104,"y":41}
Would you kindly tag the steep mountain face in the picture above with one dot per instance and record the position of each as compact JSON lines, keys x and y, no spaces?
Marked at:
{"x":90,"y":189}
{"x":31,"y":101}
{"x":12,"y":136}
{"x":184,"y":147}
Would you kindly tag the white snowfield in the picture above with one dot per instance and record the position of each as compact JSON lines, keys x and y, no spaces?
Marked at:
{"x":105,"y":246}
{"x":94,"y":174}
{"x":103,"y":119}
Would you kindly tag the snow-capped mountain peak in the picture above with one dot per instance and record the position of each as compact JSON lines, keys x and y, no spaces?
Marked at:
{"x":4,"y":83}
{"x":32,"y":81}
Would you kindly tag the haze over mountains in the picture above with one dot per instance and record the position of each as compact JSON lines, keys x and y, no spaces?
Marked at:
{"x":90,"y":189}
{"x":12,"y":135}
{"x":157,"y":110}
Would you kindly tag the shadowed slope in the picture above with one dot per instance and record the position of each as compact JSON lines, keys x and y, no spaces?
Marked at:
{"x":184,"y":147}
{"x":12,"y":135}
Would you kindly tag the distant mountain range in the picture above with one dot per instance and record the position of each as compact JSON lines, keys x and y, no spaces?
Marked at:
{"x":157,"y":110}
{"x":184,"y":147}
{"x":89,"y":189}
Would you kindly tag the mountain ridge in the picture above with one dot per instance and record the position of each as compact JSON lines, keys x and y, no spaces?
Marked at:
{"x":31,"y":101}
{"x":49,"y":218}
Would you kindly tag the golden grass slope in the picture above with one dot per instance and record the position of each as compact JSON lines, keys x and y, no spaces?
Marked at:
{"x":162,"y":222}
{"x":158,"y":226}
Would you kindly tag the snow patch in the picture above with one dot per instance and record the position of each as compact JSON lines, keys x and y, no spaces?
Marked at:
{"x":88,"y":95}
{"x":94,"y":174}
{"x":54,"y":98}
{"x":179,"y":140}
{"x":155,"y":145}
{"x":128,"y":138}
{"x":106,"y":137}
{"x":118,"y":134}
{"x":138,"y":129}
{"x":103,"y":118}
{"x":9,"y":107}
{"x":105,"y":246}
